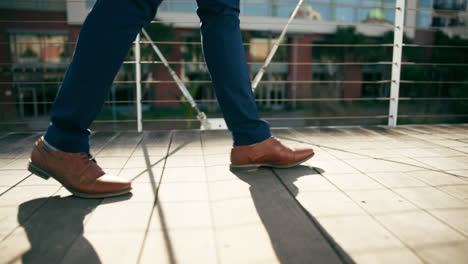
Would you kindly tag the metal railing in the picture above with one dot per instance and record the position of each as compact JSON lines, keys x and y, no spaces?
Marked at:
{"x":394,"y":80}
{"x":396,"y":62}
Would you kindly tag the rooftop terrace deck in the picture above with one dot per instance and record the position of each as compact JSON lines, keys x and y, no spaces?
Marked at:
{"x":370,"y":195}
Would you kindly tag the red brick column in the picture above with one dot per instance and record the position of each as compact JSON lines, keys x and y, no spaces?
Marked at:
{"x":300,"y":54}
{"x":352,"y":73}
{"x":169,"y":91}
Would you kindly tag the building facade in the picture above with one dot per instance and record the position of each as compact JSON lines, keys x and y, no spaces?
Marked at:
{"x":38,"y":36}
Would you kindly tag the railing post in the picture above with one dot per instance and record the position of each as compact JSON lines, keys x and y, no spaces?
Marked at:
{"x":138,"y":82}
{"x":396,"y":62}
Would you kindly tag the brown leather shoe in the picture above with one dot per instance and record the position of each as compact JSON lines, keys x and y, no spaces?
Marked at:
{"x":78,"y":172}
{"x":268,"y":153}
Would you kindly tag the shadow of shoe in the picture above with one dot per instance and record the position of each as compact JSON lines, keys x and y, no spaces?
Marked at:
{"x":56,"y":226}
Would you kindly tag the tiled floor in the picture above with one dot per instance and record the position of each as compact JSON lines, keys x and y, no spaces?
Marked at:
{"x":370,"y":195}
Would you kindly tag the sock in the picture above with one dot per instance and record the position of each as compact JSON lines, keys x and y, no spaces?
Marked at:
{"x":256,"y":143}
{"x":49,"y":145}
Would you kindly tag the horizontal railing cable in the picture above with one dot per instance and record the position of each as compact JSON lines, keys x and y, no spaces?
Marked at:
{"x":325,"y":117}
{"x":286,"y":3}
{"x":270,"y":100}
{"x":438,"y":27}
{"x":311,"y":22}
{"x":433,"y":98}
{"x":432,"y":82}
{"x":208,"y":81}
{"x":438,"y":115}
{"x":435,"y":64}
{"x":274,"y":63}
{"x":249,"y":3}
{"x":434,"y":46}
{"x":281,"y":44}
{"x":199,"y":43}
{"x":265,"y":82}
{"x":214,"y":100}
{"x":266,"y":118}
{"x":435,"y":9}
{"x":415,"y":45}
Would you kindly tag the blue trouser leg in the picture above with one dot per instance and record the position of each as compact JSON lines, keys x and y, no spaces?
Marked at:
{"x":225,"y":58}
{"x":104,"y":41}
{"x":107,"y":35}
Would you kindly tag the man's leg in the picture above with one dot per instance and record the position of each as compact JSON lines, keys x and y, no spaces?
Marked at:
{"x":105,"y":39}
{"x":225,"y":58}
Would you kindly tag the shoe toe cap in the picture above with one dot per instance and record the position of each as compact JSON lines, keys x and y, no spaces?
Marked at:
{"x":302,"y":154}
{"x":111,"y":183}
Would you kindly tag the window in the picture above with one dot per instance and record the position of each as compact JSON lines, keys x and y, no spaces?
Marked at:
{"x":425,"y":16}
{"x":38,"y":47}
{"x":281,"y":10}
{"x":450,"y":4}
{"x":347,"y":14}
{"x":261,"y":45}
{"x":439,"y":22}
{"x":7,"y":3}
{"x":42,"y":3}
{"x":178,"y":6}
{"x":257,"y":8}
{"x":426,"y":3}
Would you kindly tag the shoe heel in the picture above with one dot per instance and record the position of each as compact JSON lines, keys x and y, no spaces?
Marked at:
{"x":36,"y":171}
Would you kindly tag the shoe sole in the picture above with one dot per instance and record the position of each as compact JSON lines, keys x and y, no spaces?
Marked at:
{"x":254,"y":167}
{"x":45,"y":175}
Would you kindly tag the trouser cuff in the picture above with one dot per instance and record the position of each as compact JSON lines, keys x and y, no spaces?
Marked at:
{"x":68,"y":140}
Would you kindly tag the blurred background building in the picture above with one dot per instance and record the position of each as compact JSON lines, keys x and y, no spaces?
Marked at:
{"x":335,"y":62}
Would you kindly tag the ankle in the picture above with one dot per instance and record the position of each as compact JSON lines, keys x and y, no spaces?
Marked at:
{"x":50,"y":145}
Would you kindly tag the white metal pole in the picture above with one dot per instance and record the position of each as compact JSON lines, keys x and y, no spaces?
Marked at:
{"x":138,"y":82}
{"x":200,"y":115}
{"x":295,"y":75}
{"x":273,"y":50}
{"x":396,"y":62}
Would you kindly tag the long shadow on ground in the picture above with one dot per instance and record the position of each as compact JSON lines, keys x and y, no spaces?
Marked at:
{"x":58,"y":225}
{"x":295,"y":234}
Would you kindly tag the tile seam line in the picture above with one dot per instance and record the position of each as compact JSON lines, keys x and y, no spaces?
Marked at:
{"x":155,"y":203}
{"x":442,"y":146}
{"x":16,"y":184}
{"x":366,"y":211}
{"x":340,"y":253}
{"x":31,"y":215}
{"x":411,"y":202}
{"x":438,"y":187}
{"x":108,"y":142}
{"x":18,"y":157}
{"x":39,"y":207}
{"x":382,"y":159}
{"x":427,"y":211}
{"x":207,"y":183}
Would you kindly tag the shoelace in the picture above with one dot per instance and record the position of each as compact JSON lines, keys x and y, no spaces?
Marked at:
{"x":88,"y":157}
